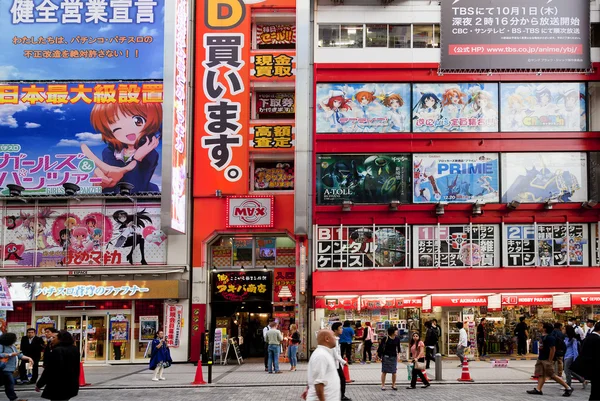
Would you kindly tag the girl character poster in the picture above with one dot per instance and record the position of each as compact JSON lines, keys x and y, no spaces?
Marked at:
{"x":397,"y":118}
{"x":334,"y":107}
{"x":128,"y":226}
{"x":131,"y":132}
{"x":453,"y":104}
{"x":427,"y":112}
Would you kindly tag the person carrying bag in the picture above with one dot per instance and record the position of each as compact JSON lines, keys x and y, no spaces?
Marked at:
{"x":417,"y":350}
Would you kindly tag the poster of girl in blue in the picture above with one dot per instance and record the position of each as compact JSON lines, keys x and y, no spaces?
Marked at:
{"x":131,"y":132}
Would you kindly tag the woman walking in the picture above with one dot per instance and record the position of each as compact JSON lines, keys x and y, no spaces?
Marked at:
{"x":367,"y":342}
{"x":293,"y":348}
{"x":389,"y":350}
{"x":9,"y":353}
{"x":571,"y":354}
{"x":160,"y":356}
{"x":61,"y":374}
{"x":417,"y":351}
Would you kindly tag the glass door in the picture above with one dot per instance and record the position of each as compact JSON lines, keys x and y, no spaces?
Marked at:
{"x":95,"y":337}
{"x":74,"y":325}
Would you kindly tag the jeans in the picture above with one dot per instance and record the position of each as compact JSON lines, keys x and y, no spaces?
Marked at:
{"x":273,"y":358}
{"x":293,"y":355}
{"x":367,"y":350}
{"x":569,"y":374}
{"x":9,"y":385}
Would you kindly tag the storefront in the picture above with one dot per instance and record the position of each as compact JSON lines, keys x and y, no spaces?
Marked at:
{"x":111,"y":321}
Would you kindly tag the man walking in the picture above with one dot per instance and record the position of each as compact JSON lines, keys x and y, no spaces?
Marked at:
{"x":438,"y":333}
{"x":31,"y":346}
{"x":481,"y":345}
{"x":431,"y":340}
{"x":337,"y":355}
{"x":544,"y":366}
{"x":323,"y":383}
{"x":522,"y":333}
{"x":590,"y":361}
{"x":561,"y":349}
{"x":274,"y":339}
{"x":462,"y":343}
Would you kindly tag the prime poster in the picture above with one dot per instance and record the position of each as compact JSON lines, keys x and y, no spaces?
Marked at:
{"x":378,"y":178}
{"x":512,"y":34}
{"x":455,"y":177}
{"x":541,"y":177}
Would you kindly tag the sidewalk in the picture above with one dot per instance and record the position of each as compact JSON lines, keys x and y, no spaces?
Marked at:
{"x":253,"y":374}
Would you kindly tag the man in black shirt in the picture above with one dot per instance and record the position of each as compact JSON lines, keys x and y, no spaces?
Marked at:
{"x":522,"y":333}
{"x":31,"y":346}
{"x":481,"y":345}
{"x":544,"y":366}
{"x":431,"y":339}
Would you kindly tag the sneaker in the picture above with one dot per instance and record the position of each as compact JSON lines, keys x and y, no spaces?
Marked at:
{"x":162,"y":378}
{"x":535,"y":391}
{"x":368,"y":362}
{"x":568,"y":392}
{"x":155,"y":379}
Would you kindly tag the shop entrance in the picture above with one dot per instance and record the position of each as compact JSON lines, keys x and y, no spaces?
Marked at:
{"x":89,"y":333}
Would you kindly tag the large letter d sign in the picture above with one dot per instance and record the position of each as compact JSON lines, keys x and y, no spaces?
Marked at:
{"x":223,"y":14}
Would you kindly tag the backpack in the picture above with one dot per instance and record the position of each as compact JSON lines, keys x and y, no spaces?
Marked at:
{"x":381,"y":348}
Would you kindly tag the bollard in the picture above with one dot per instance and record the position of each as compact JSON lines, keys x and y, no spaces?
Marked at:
{"x":438,"y":367}
{"x":210,"y":364}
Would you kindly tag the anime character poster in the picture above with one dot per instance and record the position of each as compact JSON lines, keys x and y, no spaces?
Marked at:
{"x":462,"y":107}
{"x":455,"y":177}
{"x":377,"y":178}
{"x":550,"y":106}
{"x":542,"y":177}
{"x":363,"y":108}
{"x":95,"y":135}
{"x":52,"y":235}
{"x":274,"y":176}
{"x":59,"y":40}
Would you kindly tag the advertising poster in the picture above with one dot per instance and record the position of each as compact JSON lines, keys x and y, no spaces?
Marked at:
{"x":377,"y":178}
{"x":42,"y":324}
{"x":173,"y":324}
{"x":272,"y":136}
{"x":274,"y":176}
{"x":359,"y":247}
{"x":6,"y":302}
{"x":549,"y":245}
{"x":275,"y":104}
{"x":475,"y":245}
{"x":95,"y":135}
{"x":242,"y":286}
{"x":455,"y":177}
{"x":148,"y":328}
{"x":537,"y":34}
{"x":117,"y":234}
{"x":551,"y":106}
{"x":265,"y":251}
{"x":470,"y":107}
{"x":273,"y":66}
{"x":284,"y":285}
{"x":363,"y":108}
{"x":58,"y":40}
{"x":119,"y":328}
{"x":542,"y":177}
{"x":272,"y":35}
{"x":595,"y":245}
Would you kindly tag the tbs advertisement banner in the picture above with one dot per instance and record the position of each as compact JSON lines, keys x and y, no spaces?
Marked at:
{"x":536,"y":34}
{"x":363,"y":178}
{"x":363,"y":108}
{"x":471,"y":107}
{"x":540,"y":177}
{"x":552,"y":106}
{"x":455,"y":177}
{"x":92,"y":134}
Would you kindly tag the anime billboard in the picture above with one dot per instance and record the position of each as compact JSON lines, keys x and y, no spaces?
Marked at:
{"x":363,"y":178}
{"x":552,"y":106}
{"x":363,"y":108}
{"x":70,"y":39}
{"x":470,"y":107}
{"x":65,"y":236}
{"x":542,"y":177}
{"x":95,"y":135}
{"x":455,"y":178}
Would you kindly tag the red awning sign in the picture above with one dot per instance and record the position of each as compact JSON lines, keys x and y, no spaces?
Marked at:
{"x":526,"y":300}
{"x":460,"y":301}
{"x":585,"y":299}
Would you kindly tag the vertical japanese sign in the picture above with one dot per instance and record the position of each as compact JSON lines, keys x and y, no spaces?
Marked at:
{"x":179,"y":152}
{"x":223,"y":99}
{"x":173,"y":324}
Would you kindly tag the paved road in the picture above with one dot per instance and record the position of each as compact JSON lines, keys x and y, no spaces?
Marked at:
{"x":481,"y":392}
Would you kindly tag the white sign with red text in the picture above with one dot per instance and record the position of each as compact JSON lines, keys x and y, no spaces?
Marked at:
{"x":250,"y":212}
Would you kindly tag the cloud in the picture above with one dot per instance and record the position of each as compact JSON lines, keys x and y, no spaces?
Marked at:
{"x":8,"y":72}
{"x":148,"y":32}
{"x":7,"y":112}
{"x":105,"y":28}
{"x":59,"y":111}
{"x":87,"y":138}
{"x":158,"y":74}
{"x":68,"y":142}
{"x":32,"y":125}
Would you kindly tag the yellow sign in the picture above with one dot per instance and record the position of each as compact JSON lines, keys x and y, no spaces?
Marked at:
{"x":100,"y":290}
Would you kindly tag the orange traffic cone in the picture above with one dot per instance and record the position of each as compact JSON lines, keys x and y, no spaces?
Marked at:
{"x":424,"y":374}
{"x":82,"y":382}
{"x":199,"y":379}
{"x":466,"y":376}
{"x":347,"y":372}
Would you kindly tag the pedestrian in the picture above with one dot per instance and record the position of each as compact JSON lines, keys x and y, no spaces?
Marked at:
{"x":49,"y":333}
{"x":60,"y":378}
{"x":430,"y":342}
{"x":572,"y":352}
{"x":544,"y":367}
{"x":481,"y":335}
{"x":522,"y":333}
{"x":274,"y":339}
{"x":160,"y":356}
{"x":323,"y":383}
{"x":578,"y":330}
{"x":9,"y":353}
{"x":588,"y":363}
{"x":31,"y":346}
{"x":438,"y":332}
{"x":389,"y":351}
{"x":337,"y":356}
{"x":346,"y":341}
{"x":561,"y":349}
{"x":367,"y":342}
{"x":293,"y":348}
{"x":462,"y":343}
{"x":417,"y":351}
{"x":266,"y":346}
{"x":589,"y":328}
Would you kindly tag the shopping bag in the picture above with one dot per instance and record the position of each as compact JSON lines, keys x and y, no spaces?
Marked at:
{"x":409,"y":369}
{"x":359,"y":348}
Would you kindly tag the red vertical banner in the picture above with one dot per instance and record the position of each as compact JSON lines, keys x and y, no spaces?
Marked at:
{"x":222,"y":97}
{"x":284,"y":284}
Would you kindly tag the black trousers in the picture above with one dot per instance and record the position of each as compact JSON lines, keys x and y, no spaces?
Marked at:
{"x":481,"y":347}
{"x":342,"y":380}
{"x":595,"y":394}
{"x":346,"y":351}
{"x":429,"y":356}
{"x":367,"y":350}
{"x":419,"y":373}
{"x":117,"y":349}
{"x":34,"y":370}
{"x":266,"y":356}
{"x":521,"y":345}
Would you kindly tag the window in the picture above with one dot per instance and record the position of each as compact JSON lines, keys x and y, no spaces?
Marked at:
{"x":227,"y":252}
{"x":595,"y":32}
{"x":399,"y":36}
{"x":276,"y":36}
{"x":273,"y":175}
{"x":351,"y":36}
{"x":426,"y":36}
{"x":377,"y":35}
{"x":275,"y":105}
{"x":329,"y":35}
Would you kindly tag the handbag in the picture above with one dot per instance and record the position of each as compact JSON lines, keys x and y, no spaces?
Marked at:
{"x":419,"y":365}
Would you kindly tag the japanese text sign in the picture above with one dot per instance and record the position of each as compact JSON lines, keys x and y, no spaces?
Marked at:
{"x":284,"y":284}
{"x":269,"y":66}
{"x":173,"y":324}
{"x":57,"y":133}
{"x":272,"y":136}
{"x":250,"y":212}
{"x":507,"y":34}
{"x":273,"y":103}
{"x":242,"y":286}
{"x":76,"y":39}
{"x":275,"y":34}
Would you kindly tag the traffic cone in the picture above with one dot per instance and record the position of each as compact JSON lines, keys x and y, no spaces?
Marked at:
{"x":466,"y":376}
{"x":82,"y":382}
{"x":347,"y":372}
{"x":199,"y":379}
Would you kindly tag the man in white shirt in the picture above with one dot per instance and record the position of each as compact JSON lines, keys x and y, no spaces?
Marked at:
{"x":462,"y":343}
{"x":323,"y":380}
{"x":337,"y":356}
